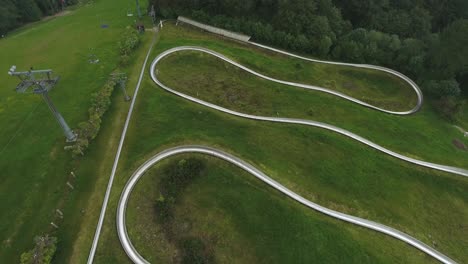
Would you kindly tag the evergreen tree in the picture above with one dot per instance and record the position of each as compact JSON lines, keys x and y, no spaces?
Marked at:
{"x":28,"y":11}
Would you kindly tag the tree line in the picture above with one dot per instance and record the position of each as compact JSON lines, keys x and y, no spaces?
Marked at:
{"x":14,"y":13}
{"x":425,"y":39}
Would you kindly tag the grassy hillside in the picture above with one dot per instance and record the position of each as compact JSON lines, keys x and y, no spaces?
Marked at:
{"x":424,"y":135}
{"x":34,"y":166}
{"x":239,"y":220}
{"x":320,"y":165}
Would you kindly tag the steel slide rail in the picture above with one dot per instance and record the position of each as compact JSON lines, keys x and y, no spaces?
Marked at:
{"x":121,"y":224}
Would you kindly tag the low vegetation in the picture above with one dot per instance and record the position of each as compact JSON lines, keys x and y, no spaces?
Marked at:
{"x":177,"y":176}
{"x":129,"y":41}
{"x":233,"y":85}
{"x":101,"y":100}
{"x":87,"y":131}
{"x":43,"y":251}
{"x":229,"y":215}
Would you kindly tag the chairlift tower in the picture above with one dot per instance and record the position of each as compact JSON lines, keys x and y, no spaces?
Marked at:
{"x":152,"y":14}
{"x":41,"y":82}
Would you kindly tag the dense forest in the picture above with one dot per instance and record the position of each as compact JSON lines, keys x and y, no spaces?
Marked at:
{"x":425,"y":39}
{"x":14,"y":13}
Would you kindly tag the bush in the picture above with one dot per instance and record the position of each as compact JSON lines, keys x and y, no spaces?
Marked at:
{"x":124,"y":59}
{"x":448,"y":107}
{"x":129,"y":41}
{"x":88,"y":130}
{"x":100,"y":101}
{"x":43,"y":251}
{"x":444,"y":88}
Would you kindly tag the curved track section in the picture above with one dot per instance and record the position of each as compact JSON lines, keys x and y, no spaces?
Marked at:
{"x":361,"y":66}
{"x":312,"y":87}
{"x":121,"y":225}
{"x":137,"y":258}
{"x":455,"y":170}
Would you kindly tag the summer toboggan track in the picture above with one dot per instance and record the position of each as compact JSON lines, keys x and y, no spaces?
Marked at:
{"x":121,"y":225}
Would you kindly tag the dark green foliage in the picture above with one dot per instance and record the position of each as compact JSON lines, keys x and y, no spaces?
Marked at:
{"x":48,"y":7}
{"x":443,"y":88}
{"x":163,"y":210}
{"x":14,"y":13}
{"x":300,"y":25}
{"x":411,"y":17}
{"x":449,"y":107}
{"x":43,"y":251}
{"x":128,"y":42}
{"x":422,"y":39}
{"x":454,"y":45}
{"x":101,"y":100}
{"x":88,"y":130}
{"x":28,"y":10}
{"x":8,"y":15}
{"x":179,"y":176}
{"x":176,"y":177}
{"x":365,"y":46}
{"x":194,"y":251}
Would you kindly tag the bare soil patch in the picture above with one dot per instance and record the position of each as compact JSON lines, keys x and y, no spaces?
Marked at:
{"x":59,"y":14}
{"x":458,"y":144}
{"x":350,"y":86}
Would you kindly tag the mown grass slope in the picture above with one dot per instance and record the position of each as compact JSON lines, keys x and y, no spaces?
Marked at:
{"x":423,"y":135}
{"x":34,"y":167}
{"x":239,"y":220}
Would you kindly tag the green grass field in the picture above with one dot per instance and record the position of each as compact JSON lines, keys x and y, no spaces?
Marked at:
{"x":423,"y":135}
{"x":34,"y":166}
{"x":321,"y":166}
{"x":226,"y":78}
{"x":241,"y":221}
{"x":262,"y":226}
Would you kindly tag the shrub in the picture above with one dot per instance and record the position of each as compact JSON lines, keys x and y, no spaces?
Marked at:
{"x":100,"y":101}
{"x":43,"y":251}
{"x":88,"y":130}
{"x":129,"y":41}
{"x":448,"y":107}
{"x":444,"y":88}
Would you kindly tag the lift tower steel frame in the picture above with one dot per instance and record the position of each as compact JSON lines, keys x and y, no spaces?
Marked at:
{"x":42,"y":85}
